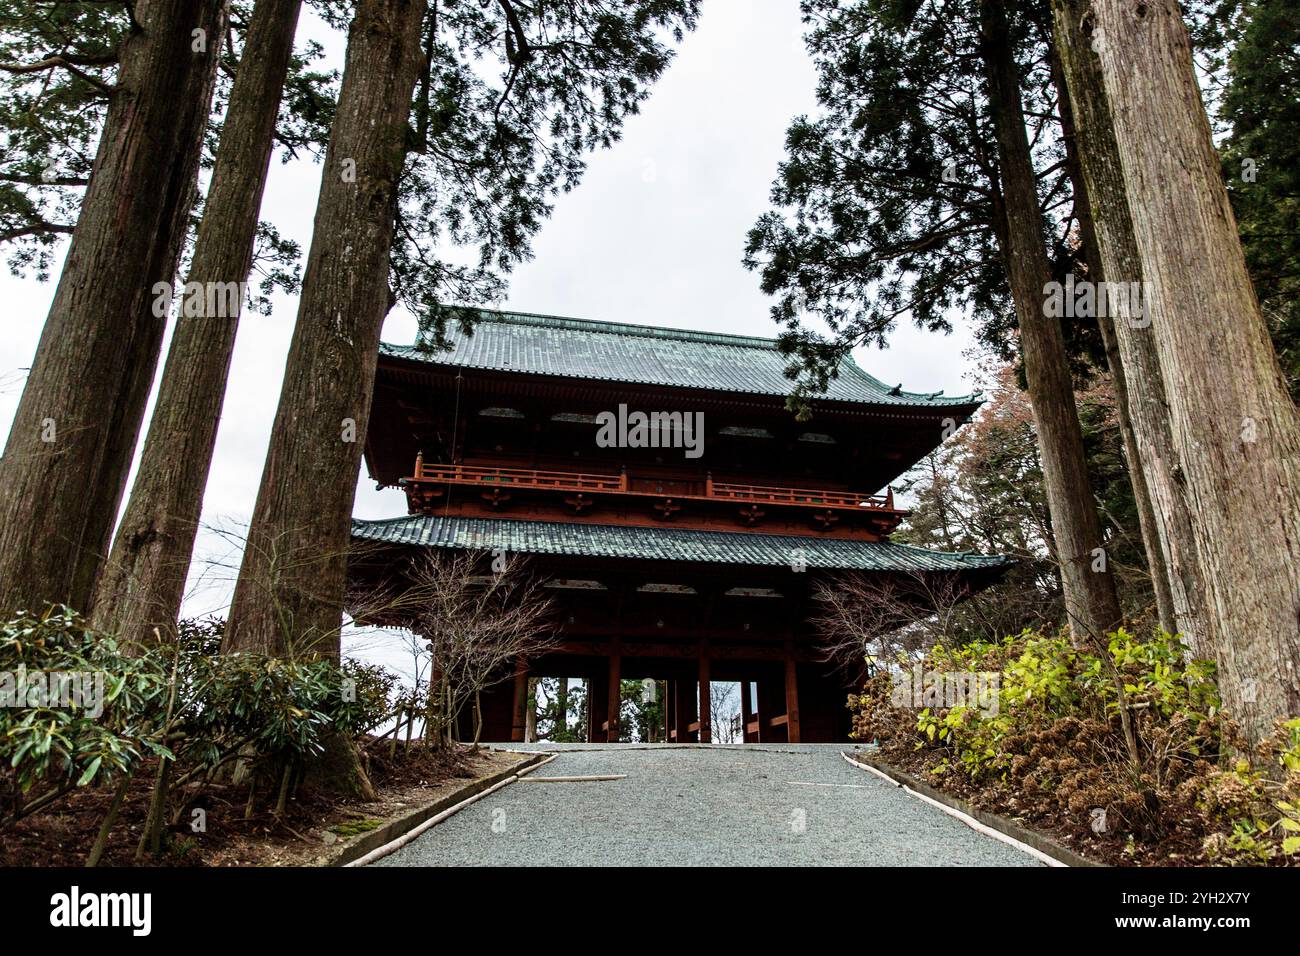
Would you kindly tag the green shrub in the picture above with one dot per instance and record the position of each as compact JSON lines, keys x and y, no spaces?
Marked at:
{"x":185,"y":702}
{"x":1053,"y":746}
{"x":44,"y":740}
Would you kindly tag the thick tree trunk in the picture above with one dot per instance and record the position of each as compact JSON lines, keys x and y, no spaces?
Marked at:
{"x":338,"y":769}
{"x":1112,"y":229}
{"x":141,"y":586}
{"x":562,"y":709}
{"x":1235,"y":430}
{"x":1148,"y":523}
{"x":70,"y":447}
{"x":289,"y":595}
{"x":1091,"y":602}
{"x":530,"y":714}
{"x":1157,"y":566}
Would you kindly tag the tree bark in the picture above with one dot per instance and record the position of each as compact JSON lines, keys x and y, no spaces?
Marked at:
{"x":1091,"y":602}
{"x":1234,"y":427}
{"x":143,"y":582}
{"x":289,"y":595}
{"x":1112,"y":230}
{"x":562,"y":710}
{"x":73,"y":437}
{"x":530,"y":714}
{"x":1157,"y":567}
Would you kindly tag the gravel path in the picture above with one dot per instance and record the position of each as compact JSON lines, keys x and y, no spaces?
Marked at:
{"x":683,"y":806}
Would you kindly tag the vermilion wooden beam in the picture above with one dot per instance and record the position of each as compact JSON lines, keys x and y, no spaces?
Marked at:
{"x":715,"y":652}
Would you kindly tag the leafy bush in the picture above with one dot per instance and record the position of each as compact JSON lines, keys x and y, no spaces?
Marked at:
{"x":46,"y":740}
{"x":1054,"y":749}
{"x":1262,"y":805}
{"x":185,"y":702}
{"x":371,"y":700}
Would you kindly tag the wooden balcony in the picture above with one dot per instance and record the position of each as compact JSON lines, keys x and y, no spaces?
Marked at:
{"x":765,"y":494}
{"x":516,"y":478}
{"x":705,"y":490}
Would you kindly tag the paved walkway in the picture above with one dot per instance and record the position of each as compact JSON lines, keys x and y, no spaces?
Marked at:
{"x":690,"y":806}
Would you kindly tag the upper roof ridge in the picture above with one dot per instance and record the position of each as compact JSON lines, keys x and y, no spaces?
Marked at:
{"x":541,"y":320}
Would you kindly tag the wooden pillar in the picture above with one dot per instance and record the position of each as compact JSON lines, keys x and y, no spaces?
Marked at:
{"x":706,"y":701}
{"x":519,"y":723}
{"x":597,"y":706}
{"x":685,"y":709}
{"x":670,"y":710}
{"x":615,"y":701}
{"x":771,"y":720}
{"x":747,"y":713}
{"x":791,"y":696}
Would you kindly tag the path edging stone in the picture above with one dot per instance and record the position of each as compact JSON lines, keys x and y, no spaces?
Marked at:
{"x":402,"y":825}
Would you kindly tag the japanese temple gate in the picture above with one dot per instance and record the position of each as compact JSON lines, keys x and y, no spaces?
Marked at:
{"x":682,"y":568}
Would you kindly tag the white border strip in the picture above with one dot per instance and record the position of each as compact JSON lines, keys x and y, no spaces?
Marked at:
{"x":380,"y":852}
{"x":965,"y":818}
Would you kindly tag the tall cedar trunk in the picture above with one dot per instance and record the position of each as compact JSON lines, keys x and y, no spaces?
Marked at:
{"x":289,"y":595}
{"x":530,"y":714}
{"x":562,"y":708}
{"x":141,"y":587}
{"x":1116,"y":246}
{"x":1235,"y":428}
{"x":1091,"y":602}
{"x":70,"y":447}
{"x":1157,"y":568}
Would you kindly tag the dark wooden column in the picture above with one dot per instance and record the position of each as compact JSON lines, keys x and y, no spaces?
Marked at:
{"x":706,"y":701}
{"x":791,"y":696}
{"x":615,"y":689}
{"x":670,"y":710}
{"x":747,"y":713}
{"x":686,"y":703}
{"x":597,"y":706}
{"x":519,"y":721}
{"x":771,"y":720}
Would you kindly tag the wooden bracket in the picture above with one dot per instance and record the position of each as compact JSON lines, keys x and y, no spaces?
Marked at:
{"x":667,"y":508}
{"x":496,"y":498}
{"x":826,"y":520}
{"x":579,"y":502}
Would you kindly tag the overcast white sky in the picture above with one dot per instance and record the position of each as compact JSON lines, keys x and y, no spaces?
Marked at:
{"x":654,"y":235}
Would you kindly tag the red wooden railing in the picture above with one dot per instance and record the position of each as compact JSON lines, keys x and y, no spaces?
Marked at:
{"x":797,"y":496}
{"x":519,"y":477}
{"x":618,"y":484}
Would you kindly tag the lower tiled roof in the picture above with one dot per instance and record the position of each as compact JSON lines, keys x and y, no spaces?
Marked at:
{"x":663,"y":544}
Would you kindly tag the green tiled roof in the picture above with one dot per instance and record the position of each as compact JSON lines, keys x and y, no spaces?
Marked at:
{"x":664,"y":544}
{"x":647,"y":355}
